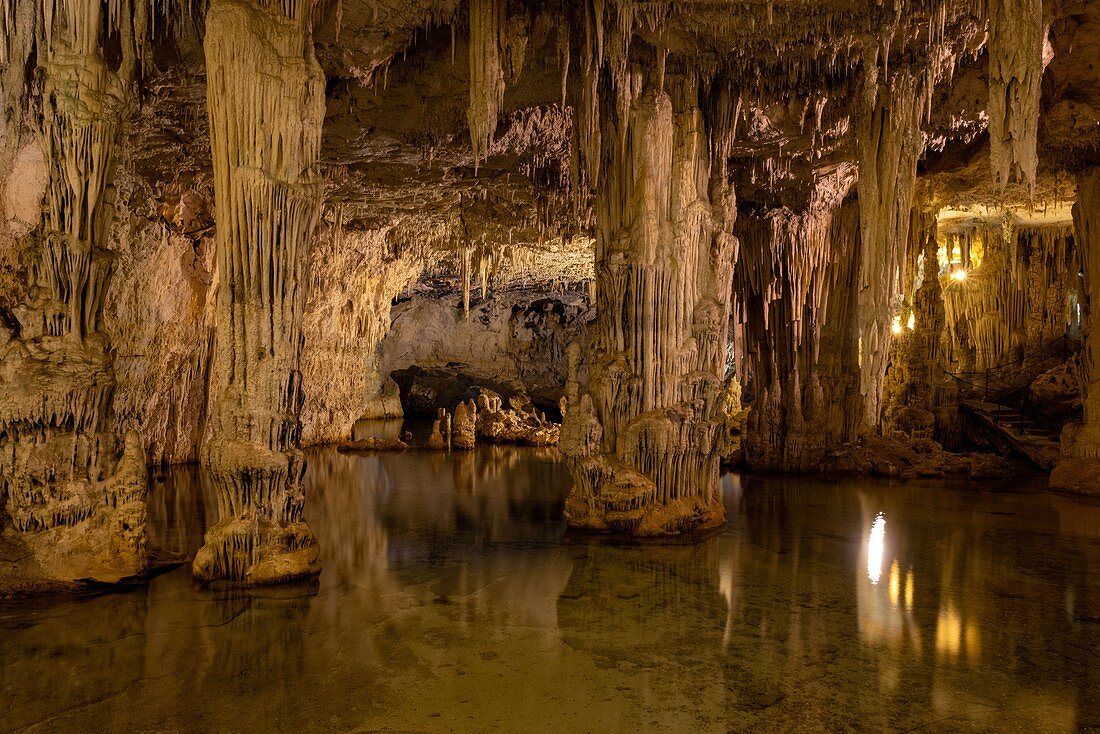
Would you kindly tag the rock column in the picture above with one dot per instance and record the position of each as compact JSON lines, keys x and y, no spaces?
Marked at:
{"x":74,"y":496}
{"x":1079,"y":470}
{"x":644,"y":437}
{"x":265,"y":93}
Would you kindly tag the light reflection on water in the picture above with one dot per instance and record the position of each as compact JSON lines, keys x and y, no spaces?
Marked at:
{"x":452,"y":599}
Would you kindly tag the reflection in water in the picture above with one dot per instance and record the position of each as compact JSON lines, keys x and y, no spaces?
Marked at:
{"x":875,"y":548}
{"x":452,"y":599}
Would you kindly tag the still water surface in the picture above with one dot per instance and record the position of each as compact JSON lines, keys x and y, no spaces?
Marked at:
{"x":452,"y":600}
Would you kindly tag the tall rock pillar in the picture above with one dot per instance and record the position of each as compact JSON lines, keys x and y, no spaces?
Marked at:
{"x":72,"y":494}
{"x":265,"y":93}
{"x":1079,"y":470}
{"x":643,"y":438}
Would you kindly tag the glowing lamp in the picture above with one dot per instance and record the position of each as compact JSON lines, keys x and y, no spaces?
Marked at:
{"x":896,"y":326}
{"x":959,"y":275}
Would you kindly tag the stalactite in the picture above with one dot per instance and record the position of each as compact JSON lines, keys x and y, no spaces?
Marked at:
{"x":260,"y":66}
{"x":1016,"y":37}
{"x":487,"y":19}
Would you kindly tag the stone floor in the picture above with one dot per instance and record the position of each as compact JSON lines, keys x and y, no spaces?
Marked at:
{"x":452,"y":600}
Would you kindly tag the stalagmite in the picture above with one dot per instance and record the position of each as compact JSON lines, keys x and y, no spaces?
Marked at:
{"x":644,"y":437}
{"x":1079,"y":470}
{"x":465,"y":426}
{"x":260,"y":66}
{"x":1016,"y":36}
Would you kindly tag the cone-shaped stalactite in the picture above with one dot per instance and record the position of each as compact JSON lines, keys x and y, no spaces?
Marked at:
{"x":643,"y":438}
{"x":1079,"y":469}
{"x":486,"y":73}
{"x":1015,"y":83}
{"x":260,"y":67}
{"x":67,"y":486}
{"x":796,"y":295}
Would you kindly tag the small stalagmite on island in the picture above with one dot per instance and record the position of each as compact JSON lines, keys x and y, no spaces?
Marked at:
{"x":651,"y":249}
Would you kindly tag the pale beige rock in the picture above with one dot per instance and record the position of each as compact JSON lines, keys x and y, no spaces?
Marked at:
{"x":24,"y":188}
{"x":260,"y":65}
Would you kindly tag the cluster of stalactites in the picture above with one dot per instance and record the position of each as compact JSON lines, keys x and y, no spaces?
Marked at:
{"x":1016,"y":39}
{"x":1005,"y":289}
{"x":796,"y":307}
{"x":81,"y":108}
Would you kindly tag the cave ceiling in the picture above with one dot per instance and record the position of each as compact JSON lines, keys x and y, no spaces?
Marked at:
{"x":397,"y":150}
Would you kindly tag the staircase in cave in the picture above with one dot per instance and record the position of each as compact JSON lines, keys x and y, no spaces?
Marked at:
{"x":999,"y":402}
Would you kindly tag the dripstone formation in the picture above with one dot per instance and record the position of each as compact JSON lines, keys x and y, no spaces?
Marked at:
{"x":788,"y":235}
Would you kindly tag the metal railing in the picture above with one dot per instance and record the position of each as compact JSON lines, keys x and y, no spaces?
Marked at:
{"x":1007,"y":388}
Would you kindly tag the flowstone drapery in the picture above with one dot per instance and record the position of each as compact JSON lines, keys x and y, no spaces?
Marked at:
{"x":260,"y":67}
{"x":644,"y":437}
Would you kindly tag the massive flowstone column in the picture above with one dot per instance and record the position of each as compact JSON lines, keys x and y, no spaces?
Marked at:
{"x":1079,"y":470}
{"x":73,"y":497}
{"x":265,"y":93}
{"x":643,"y":438}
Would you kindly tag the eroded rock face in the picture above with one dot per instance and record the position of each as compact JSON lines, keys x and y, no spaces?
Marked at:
{"x":511,"y":342}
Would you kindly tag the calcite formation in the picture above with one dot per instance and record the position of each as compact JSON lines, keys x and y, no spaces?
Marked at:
{"x":795,"y":234}
{"x":644,"y":437}
{"x":798,"y":309}
{"x":260,"y":66}
{"x":71,"y":493}
{"x":1079,"y":470}
{"x":917,"y":366}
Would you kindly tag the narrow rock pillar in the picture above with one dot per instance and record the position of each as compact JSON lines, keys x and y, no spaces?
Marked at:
{"x":1079,"y":470}
{"x":265,"y":93}
{"x":644,"y":437}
